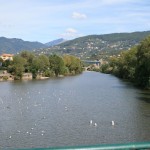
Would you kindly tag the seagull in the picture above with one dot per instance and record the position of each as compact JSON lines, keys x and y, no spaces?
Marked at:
{"x":95,"y":124}
{"x":112,"y":123}
{"x":91,"y":122}
{"x":66,"y":109}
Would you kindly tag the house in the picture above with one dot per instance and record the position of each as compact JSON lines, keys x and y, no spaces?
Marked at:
{"x":7,"y":57}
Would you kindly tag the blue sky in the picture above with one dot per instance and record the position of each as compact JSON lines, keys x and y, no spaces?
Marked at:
{"x":46,"y":20}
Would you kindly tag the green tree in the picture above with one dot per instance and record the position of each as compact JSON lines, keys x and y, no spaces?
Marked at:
{"x":56,"y":64}
{"x":6,"y":63}
{"x":39,"y":65}
{"x":18,"y":66}
{"x":130,"y":61}
{"x":73,"y":64}
{"x":123,"y":65}
{"x":105,"y":68}
{"x":28,"y":56}
{"x":143,"y":63}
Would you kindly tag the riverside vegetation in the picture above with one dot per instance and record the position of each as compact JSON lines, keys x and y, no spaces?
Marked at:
{"x":47,"y":66}
{"x":133,"y":64}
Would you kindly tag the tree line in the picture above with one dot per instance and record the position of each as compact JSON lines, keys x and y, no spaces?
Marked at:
{"x":133,"y":64}
{"x":48,"y":66}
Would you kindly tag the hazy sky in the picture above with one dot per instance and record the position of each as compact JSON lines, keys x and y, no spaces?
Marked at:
{"x":46,"y":20}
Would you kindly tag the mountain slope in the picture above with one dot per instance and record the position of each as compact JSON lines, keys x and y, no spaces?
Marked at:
{"x":55,"y":42}
{"x":97,"y":46}
{"x":14,"y":45}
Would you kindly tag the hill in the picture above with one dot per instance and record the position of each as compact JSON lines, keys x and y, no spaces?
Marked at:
{"x":97,"y":46}
{"x":14,"y":45}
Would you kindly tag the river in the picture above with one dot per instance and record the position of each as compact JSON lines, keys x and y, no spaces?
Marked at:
{"x":57,"y":112}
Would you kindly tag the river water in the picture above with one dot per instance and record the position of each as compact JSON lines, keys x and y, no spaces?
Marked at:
{"x":57,"y":112}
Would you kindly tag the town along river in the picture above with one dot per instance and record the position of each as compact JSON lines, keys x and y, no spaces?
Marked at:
{"x":57,"y":112}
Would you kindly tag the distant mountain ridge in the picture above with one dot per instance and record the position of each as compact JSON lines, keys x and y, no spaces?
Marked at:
{"x":55,"y":42}
{"x":14,"y":45}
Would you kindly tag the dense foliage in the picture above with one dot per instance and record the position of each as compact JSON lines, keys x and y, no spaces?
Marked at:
{"x":142,"y":72}
{"x":133,"y":64}
{"x":46,"y":66}
{"x":73,"y":64}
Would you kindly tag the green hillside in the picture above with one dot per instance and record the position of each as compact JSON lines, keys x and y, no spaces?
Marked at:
{"x":14,"y":45}
{"x":97,"y":46}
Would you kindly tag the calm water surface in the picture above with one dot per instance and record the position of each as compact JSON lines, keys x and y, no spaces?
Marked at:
{"x":57,"y":112}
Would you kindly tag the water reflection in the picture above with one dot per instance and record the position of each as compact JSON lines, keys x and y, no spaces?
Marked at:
{"x":144,"y":96}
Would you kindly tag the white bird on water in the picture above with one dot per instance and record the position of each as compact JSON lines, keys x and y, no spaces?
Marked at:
{"x":66,"y":108}
{"x":112,"y":123}
{"x":95,"y":124}
{"x":91,"y":122}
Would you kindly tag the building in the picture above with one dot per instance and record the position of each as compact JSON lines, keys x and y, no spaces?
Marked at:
{"x":7,"y":57}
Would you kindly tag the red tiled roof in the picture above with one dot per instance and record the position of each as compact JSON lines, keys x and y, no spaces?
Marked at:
{"x":7,"y":55}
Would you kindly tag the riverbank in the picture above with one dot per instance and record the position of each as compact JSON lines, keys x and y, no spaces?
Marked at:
{"x":27,"y":65}
{"x":5,"y":76}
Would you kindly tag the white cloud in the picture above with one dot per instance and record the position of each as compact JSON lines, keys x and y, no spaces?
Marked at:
{"x":77,"y":15}
{"x":71,"y":30}
{"x":70,"y":33}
